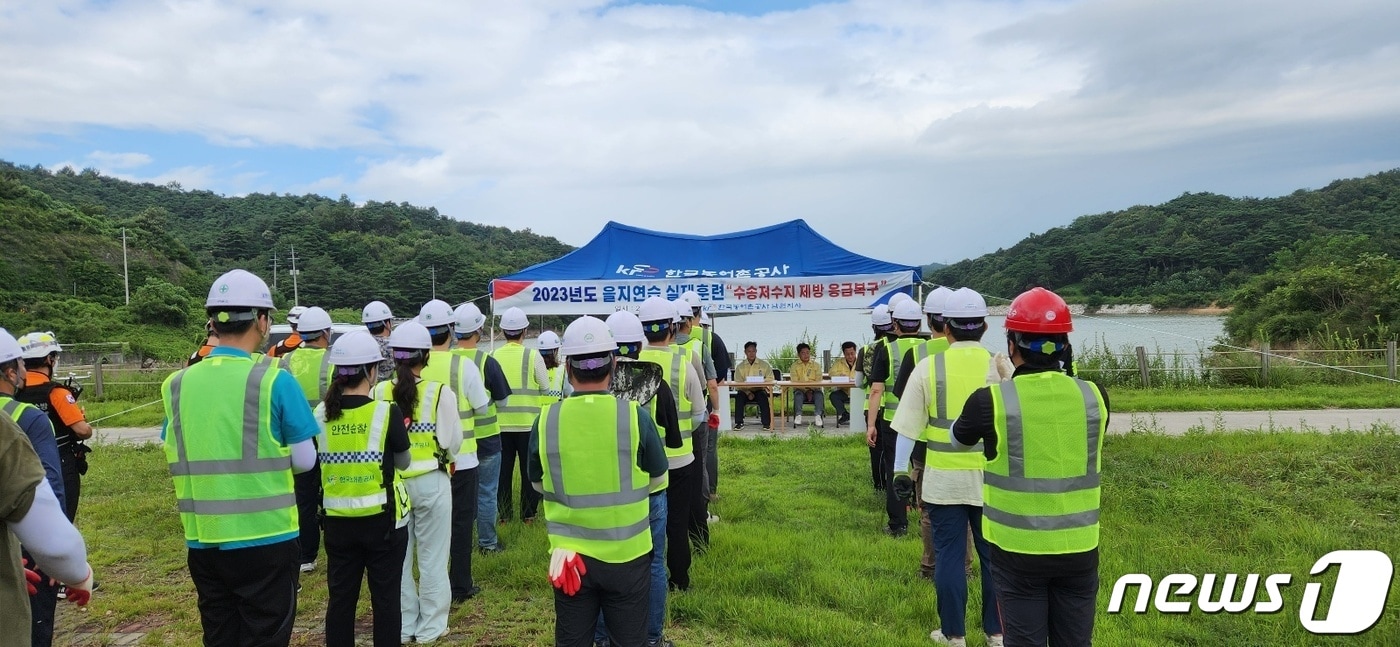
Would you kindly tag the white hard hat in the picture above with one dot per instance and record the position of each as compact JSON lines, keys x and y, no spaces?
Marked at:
{"x":880,"y":315}
{"x":691,"y":297}
{"x":376,"y":311}
{"x":411,"y":335}
{"x":295,"y":314}
{"x":9,"y":347}
{"x":682,"y":311}
{"x":469,"y":318}
{"x":239,"y":289}
{"x":965,"y":303}
{"x":898,"y":298}
{"x":355,"y":348}
{"x":907,"y":310}
{"x":435,"y":314}
{"x":514,"y":319}
{"x":548,"y":341}
{"x":313,"y":320}
{"x":936,"y":300}
{"x":656,"y":309}
{"x":37,"y":345}
{"x":626,"y":327}
{"x":587,"y":336}
{"x":705,"y":319}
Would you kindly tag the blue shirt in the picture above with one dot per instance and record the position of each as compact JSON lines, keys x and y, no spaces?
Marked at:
{"x":292,"y":423}
{"x":37,"y":427}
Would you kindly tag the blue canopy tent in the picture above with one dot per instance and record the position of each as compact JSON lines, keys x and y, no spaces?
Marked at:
{"x":785,"y":267}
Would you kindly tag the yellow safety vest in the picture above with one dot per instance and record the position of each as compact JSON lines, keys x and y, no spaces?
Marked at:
{"x":1040,"y":495}
{"x":427,"y":453}
{"x":312,"y":369}
{"x":445,"y":367}
{"x":487,"y":424}
{"x":526,"y":393}
{"x":675,"y":367}
{"x":352,"y":464}
{"x":896,"y":349}
{"x":953,"y":375}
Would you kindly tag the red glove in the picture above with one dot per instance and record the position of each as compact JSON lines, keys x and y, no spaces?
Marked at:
{"x":566,"y":571}
{"x":714,"y":421}
{"x":31,"y":578}
{"x":81,"y":592}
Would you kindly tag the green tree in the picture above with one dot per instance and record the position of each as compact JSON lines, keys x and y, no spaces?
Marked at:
{"x":160,"y":303}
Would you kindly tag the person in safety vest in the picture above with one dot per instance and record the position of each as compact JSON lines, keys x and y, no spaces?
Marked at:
{"x":434,"y":436}
{"x":211,"y":341}
{"x":548,"y":344}
{"x":627,"y":332}
{"x":529,"y":391}
{"x":292,"y":341}
{"x":685,"y":489}
{"x":60,"y":402}
{"x":882,"y":328}
{"x":379,"y":321}
{"x":723,"y":363}
{"x":39,"y":431}
{"x":362,"y":445}
{"x":951,"y":487}
{"x":596,"y":459}
{"x":692,"y":337}
{"x":469,"y":491}
{"x":235,"y":431}
{"x":880,"y":406}
{"x":310,"y":364}
{"x":1042,"y":435}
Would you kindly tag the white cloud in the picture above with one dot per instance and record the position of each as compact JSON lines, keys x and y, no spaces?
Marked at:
{"x":118,"y":161}
{"x":972,"y":119}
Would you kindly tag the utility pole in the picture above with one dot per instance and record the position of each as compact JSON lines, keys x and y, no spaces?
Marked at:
{"x":434,"y":270}
{"x":274,"y":270}
{"x":296,"y":294}
{"x":126,"y":274}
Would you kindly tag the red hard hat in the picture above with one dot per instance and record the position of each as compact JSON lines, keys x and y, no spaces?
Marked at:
{"x":1039,"y":310}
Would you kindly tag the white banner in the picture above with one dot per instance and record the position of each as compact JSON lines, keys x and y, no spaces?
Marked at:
{"x":719,"y":294}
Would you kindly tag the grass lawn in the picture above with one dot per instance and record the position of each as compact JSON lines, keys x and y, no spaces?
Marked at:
{"x":1239,"y":398}
{"x":799,"y":560}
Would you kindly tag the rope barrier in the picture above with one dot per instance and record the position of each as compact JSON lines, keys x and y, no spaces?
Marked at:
{"x":120,"y":413}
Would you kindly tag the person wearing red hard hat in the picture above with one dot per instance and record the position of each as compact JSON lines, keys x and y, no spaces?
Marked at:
{"x":1042,"y":431}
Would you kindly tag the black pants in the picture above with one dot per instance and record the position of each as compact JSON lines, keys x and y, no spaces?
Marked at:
{"x":72,"y":481}
{"x":894,"y":508}
{"x":1038,"y":606}
{"x":247,"y":596}
{"x":620,"y":591}
{"x":515,"y":448}
{"x":681,"y":496}
{"x":699,"y":525}
{"x":744,"y":398}
{"x":464,"y":489}
{"x":877,"y":461}
{"x":357,"y":549}
{"x":308,"y":489}
{"x":41,"y":609}
{"x":839,"y":399}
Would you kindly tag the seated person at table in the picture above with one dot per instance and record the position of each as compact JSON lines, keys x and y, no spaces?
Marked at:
{"x":806,"y":370}
{"x":754,"y":367}
{"x":845,"y":367}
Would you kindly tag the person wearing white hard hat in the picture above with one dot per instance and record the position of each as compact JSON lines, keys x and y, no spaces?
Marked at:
{"x":529,"y":391}
{"x":549,"y":344}
{"x":880,"y":406}
{"x":723,"y":363}
{"x":233,"y":472}
{"x":310,"y":364}
{"x":37,"y":428}
{"x":33,"y":517}
{"x":686,"y":478}
{"x":627,"y":332}
{"x":596,"y":478}
{"x":950,"y":490}
{"x":435,"y":435}
{"x":60,"y":400}
{"x":293,"y":340}
{"x":467,"y":486}
{"x":362,"y":445}
{"x":379,"y":321}
{"x":881,"y":328}
{"x":689,"y":336}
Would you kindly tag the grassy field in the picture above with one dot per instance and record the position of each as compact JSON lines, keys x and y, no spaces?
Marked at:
{"x":798,"y":558}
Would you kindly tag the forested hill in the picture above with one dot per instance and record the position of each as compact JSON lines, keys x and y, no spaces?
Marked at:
{"x":1193,"y":250}
{"x":62,"y":234}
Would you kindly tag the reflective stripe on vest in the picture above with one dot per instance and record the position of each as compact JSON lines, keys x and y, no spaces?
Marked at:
{"x":14,"y":408}
{"x":895,"y":350}
{"x":444,"y":367}
{"x":237,"y":488}
{"x":311,"y":367}
{"x":674,"y":369}
{"x":526,"y":393}
{"x":423,"y":442}
{"x":931,"y":347}
{"x":595,"y":496}
{"x":352,"y":462}
{"x":969,"y":373}
{"x":486,"y":426}
{"x":1034,"y":501}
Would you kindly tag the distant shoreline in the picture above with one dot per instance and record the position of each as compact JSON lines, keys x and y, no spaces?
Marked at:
{"x":1127,"y":309}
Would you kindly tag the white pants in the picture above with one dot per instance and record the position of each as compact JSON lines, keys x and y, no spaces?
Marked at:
{"x":426,"y":603}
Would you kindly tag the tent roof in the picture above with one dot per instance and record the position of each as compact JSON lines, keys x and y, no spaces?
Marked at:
{"x":624,"y":252}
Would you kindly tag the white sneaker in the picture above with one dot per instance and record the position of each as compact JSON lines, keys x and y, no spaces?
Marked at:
{"x":308,"y":566}
{"x":938,"y":637}
{"x":819,"y":422}
{"x":995,"y":641}
{"x":713,"y":518}
{"x":797,"y":420}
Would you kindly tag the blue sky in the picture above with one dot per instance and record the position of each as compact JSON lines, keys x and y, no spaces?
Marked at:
{"x":973,"y":123}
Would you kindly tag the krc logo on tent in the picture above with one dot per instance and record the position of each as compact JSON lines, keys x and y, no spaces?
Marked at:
{"x":1357,"y":602}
